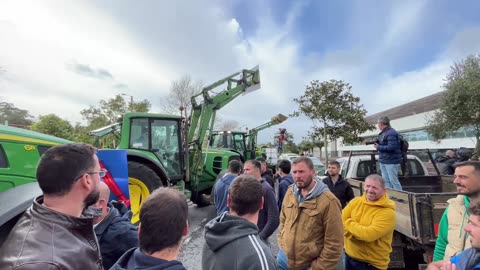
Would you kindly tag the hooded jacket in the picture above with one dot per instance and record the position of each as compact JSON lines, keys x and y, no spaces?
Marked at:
{"x":116,"y":234}
{"x":311,"y":231}
{"x":47,"y":239}
{"x":135,"y":259}
{"x":285,"y":182}
{"x":467,"y":260}
{"x":232,"y":242}
{"x":369,"y":230}
{"x":221,"y":192}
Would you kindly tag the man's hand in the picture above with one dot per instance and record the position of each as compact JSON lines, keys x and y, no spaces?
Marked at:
{"x":443,"y":265}
{"x":375,"y":145}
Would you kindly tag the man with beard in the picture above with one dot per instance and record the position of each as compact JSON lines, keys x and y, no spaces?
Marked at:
{"x":268,"y":216}
{"x":52,"y":233}
{"x":311,"y":230}
{"x":452,"y":238}
{"x":470,"y":258}
{"x":339,"y":186}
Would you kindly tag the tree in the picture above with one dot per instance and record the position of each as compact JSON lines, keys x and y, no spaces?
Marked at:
{"x":14,"y":116}
{"x":180,"y":95}
{"x":106,"y":113}
{"x":460,"y":107}
{"x":228,"y":125}
{"x":53,"y":125}
{"x":334,"y":111}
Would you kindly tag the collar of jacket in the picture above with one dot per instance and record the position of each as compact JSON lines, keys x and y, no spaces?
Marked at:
{"x":103,"y":225}
{"x":340,"y":179}
{"x":48,"y":215}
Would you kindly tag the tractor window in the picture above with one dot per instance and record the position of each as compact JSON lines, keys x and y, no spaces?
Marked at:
{"x":166,"y":143}
{"x":3,"y":158}
{"x":239,"y":142}
{"x":42,"y":149}
{"x":139,"y":133}
{"x":217,"y":141}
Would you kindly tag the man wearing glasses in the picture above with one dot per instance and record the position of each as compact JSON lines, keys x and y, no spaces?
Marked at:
{"x":53,"y":233}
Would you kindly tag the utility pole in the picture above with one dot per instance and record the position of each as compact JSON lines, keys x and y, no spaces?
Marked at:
{"x":131,"y":101}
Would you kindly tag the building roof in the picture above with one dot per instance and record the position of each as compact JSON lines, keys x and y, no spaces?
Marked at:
{"x":425,"y":104}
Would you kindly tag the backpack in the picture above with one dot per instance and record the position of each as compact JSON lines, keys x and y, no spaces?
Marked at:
{"x":403,"y":144}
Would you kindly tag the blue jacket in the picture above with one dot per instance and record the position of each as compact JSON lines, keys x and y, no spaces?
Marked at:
{"x":134,"y":259}
{"x":468,"y":259}
{"x":221,"y":192}
{"x":389,"y":147}
{"x":285,"y":182}
{"x":116,"y":234}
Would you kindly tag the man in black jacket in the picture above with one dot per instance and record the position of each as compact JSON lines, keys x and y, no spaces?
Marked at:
{"x":337,"y":185}
{"x":163,"y":223}
{"x":268,"y":219}
{"x":231,"y":239}
{"x":53,"y":233}
{"x":286,"y":180}
{"x":266,"y":173}
{"x":115,"y":233}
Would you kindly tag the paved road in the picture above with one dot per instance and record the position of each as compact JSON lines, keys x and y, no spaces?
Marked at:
{"x":191,"y":252}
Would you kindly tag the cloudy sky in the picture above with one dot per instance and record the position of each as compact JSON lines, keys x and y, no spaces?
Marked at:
{"x":62,"y":56}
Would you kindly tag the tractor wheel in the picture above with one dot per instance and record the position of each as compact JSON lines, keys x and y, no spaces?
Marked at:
{"x":142,"y":180}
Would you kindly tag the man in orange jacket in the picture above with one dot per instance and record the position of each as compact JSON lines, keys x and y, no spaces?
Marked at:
{"x":368,"y":223}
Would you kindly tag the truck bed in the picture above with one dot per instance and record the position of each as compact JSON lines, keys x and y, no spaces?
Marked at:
{"x":420,"y":206}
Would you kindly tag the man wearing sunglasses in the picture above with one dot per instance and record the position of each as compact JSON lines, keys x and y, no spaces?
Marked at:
{"x":53,"y":233}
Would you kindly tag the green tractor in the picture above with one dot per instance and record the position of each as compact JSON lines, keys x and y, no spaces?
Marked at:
{"x":172,"y":151}
{"x":245,"y":144}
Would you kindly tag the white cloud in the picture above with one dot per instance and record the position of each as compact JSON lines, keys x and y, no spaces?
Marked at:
{"x":145,"y":45}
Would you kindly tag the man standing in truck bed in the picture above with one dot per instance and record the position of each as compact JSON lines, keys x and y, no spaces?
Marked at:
{"x":452,"y":239}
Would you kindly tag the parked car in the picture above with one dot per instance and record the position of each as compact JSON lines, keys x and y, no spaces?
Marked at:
{"x":318,"y":165}
{"x":288,"y":156}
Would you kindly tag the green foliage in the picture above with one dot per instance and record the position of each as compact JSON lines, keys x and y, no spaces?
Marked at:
{"x":105,"y":113}
{"x":15,"y":116}
{"x":334,"y":111}
{"x":53,"y":125}
{"x":461,"y":102}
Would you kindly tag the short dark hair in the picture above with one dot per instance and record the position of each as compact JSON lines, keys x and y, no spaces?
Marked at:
{"x":305,"y":160}
{"x":285,"y":166}
{"x":245,"y":195}
{"x":235,"y":166}
{"x":255,"y":163}
{"x":163,"y":218}
{"x":261,"y":159}
{"x":474,"y":164}
{"x":60,"y":166}
{"x":334,"y":163}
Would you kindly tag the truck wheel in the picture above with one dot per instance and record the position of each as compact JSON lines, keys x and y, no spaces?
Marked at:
{"x":141,"y":182}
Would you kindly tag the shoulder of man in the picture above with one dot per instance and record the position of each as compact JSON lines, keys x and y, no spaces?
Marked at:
{"x":255,"y":254}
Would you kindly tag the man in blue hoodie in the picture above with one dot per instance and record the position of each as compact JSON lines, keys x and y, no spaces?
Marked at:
{"x":286,"y":180}
{"x":231,"y":239}
{"x":163,"y":223}
{"x":222,"y":185}
{"x":114,"y":231}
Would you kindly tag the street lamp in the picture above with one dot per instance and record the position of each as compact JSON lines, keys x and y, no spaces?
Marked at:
{"x":131,"y":100}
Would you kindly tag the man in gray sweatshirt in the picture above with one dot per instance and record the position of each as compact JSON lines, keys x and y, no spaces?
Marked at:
{"x":231,"y":239}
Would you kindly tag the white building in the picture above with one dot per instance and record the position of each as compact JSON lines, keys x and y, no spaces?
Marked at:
{"x":410,"y":120}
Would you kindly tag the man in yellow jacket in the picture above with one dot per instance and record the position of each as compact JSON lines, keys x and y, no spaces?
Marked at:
{"x":368,"y":223}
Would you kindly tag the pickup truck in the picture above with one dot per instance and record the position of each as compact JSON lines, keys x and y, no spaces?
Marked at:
{"x":419,"y":207}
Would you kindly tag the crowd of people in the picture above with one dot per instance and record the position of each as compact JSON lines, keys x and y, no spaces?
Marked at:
{"x":320,"y":224}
